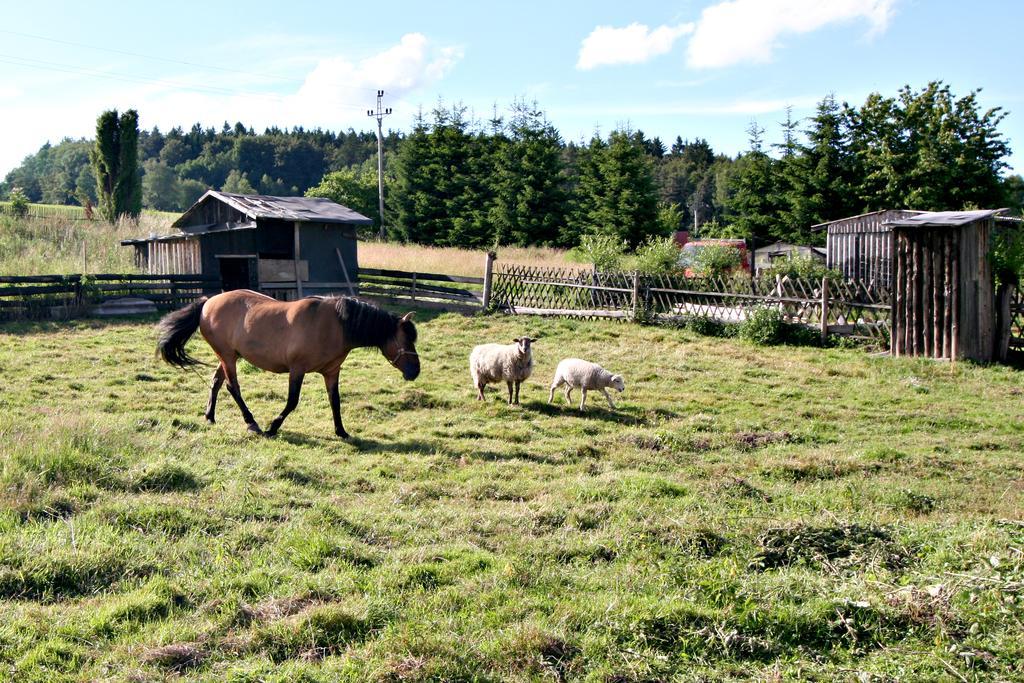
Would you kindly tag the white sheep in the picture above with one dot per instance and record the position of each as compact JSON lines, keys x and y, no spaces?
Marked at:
{"x":576,"y":373}
{"x":510,"y":363}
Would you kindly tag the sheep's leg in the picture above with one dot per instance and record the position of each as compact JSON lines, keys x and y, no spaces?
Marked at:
{"x":568,"y":394}
{"x":480,"y":391}
{"x":517,"y":391}
{"x":509,"y":392}
{"x":583,"y":401}
{"x":554,"y":385}
{"x":610,"y":402}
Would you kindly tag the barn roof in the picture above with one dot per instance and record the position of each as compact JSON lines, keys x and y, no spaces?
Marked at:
{"x":293,"y":209}
{"x":944,"y":219}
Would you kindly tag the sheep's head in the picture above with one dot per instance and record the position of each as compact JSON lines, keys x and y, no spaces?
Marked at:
{"x":524,"y":344}
{"x":618,"y":383}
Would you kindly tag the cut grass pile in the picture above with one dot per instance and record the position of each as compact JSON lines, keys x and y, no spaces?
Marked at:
{"x":747,"y":513}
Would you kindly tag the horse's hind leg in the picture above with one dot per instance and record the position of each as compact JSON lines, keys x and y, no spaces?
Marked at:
{"x":294,"y":388}
{"x":211,"y":405}
{"x":331,"y":380}
{"x":231,"y":375}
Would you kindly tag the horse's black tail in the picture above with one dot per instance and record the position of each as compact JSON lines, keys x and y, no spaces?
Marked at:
{"x":175,"y":330}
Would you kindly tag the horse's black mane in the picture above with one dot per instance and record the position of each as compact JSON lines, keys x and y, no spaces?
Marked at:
{"x":366,"y":325}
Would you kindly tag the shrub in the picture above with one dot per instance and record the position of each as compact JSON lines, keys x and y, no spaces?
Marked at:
{"x":19,"y":202}
{"x":802,"y":267}
{"x":605,"y":252}
{"x":656,"y":256}
{"x":715,"y":260}
{"x":709,"y":327}
{"x":763,"y":326}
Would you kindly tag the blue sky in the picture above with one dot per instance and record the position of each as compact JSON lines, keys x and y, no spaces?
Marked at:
{"x":692,"y":68}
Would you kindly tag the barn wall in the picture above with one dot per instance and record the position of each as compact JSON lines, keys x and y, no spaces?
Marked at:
{"x":861,"y":247}
{"x":230,"y":242}
{"x":977,"y":296}
{"x":319,"y":240}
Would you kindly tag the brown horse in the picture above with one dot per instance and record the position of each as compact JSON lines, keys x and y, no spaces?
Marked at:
{"x":297,"y":337}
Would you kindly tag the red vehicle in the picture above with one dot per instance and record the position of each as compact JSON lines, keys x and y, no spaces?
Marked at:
{"x":688,"y":252}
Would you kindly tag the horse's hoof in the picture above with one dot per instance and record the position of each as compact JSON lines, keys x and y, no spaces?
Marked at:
{"x":254,"y":428}
{"x":270,"y":434}
{"x":210,"y":421}
{"x":343,"y":434}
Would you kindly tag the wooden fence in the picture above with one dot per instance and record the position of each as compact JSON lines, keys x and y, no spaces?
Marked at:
{"x":835,"y":307}
{"x":1017,"y":320}
{"x":424,"y":290}
{"x":61,"y":296}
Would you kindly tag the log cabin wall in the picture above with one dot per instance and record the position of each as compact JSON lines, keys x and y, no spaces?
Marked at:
{"x":943,"y":297}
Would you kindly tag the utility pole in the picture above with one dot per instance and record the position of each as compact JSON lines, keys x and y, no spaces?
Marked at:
{"x":379,"y":115}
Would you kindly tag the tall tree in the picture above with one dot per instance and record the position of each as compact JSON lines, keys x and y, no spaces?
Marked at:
{"x":756,"y":203}
{"x":529,"y":182}
{"x":115,"y":161}
{"x":616,"y":194}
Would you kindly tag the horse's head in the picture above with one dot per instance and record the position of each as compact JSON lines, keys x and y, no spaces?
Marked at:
{"x":400,"y":349}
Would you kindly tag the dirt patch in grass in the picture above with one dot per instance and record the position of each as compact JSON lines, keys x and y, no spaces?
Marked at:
{"x":749,"y":441}
{"x":176,"y":658}
{"x":829,"y":547}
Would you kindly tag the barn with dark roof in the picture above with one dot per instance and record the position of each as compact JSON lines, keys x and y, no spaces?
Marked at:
{"x":287,"y":247}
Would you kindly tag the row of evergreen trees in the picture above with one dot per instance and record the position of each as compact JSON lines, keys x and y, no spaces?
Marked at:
{"x":453,"y":180}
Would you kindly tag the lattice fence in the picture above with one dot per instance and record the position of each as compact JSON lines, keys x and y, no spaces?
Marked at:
{"x":1017,"y":320}
{"x":851,"y":308}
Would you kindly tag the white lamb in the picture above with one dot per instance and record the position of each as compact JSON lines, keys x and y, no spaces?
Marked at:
{"x":575,"y":373}
{"x":493,"y":363}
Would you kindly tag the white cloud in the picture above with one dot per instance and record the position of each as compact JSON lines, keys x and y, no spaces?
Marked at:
{"x":633,"y":44}
{"x":334,"y":94}
{"x":739,"y":31}
{"x":398,"y":70}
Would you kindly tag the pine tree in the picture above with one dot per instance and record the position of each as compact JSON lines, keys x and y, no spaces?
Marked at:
{"x":115,"y":161}
{"x":756,"y":204}
{"x":529,"y":182}
{"x":616,"y":194}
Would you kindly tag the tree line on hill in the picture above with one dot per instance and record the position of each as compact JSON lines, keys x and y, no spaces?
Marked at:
{"x":453,"y":180}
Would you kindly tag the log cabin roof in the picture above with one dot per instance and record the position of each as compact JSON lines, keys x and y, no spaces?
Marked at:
{"x":292,"y":209}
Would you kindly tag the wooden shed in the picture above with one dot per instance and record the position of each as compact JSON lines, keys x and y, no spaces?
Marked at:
{"x":943,"y":300}
{"x":860,"y":247}
{"x":284,"y":246}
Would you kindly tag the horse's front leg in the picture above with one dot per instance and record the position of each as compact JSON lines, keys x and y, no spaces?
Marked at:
{"x":331,"y":380}
{"x":294,"y":388}
{"x":211,"y":405}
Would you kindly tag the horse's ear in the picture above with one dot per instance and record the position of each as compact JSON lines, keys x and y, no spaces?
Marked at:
{"x":408,"y":316}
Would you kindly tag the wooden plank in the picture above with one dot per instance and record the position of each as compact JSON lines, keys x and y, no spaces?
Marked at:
{"x":437,"y":277}
{"x":41,"y":289}
{"x":469,"y":298}
{"x":570,"y":312}
{"x":434,"y":305}
{"x":396,"y":282}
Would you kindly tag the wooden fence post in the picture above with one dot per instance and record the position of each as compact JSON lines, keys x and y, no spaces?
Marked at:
{"x":824,"y":309}
{"x":488,"y":271}
{"x":413,"y":290}
{"x":636,"y":292}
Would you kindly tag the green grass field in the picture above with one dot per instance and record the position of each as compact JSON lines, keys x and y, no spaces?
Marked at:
{"x":767,"y":513}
